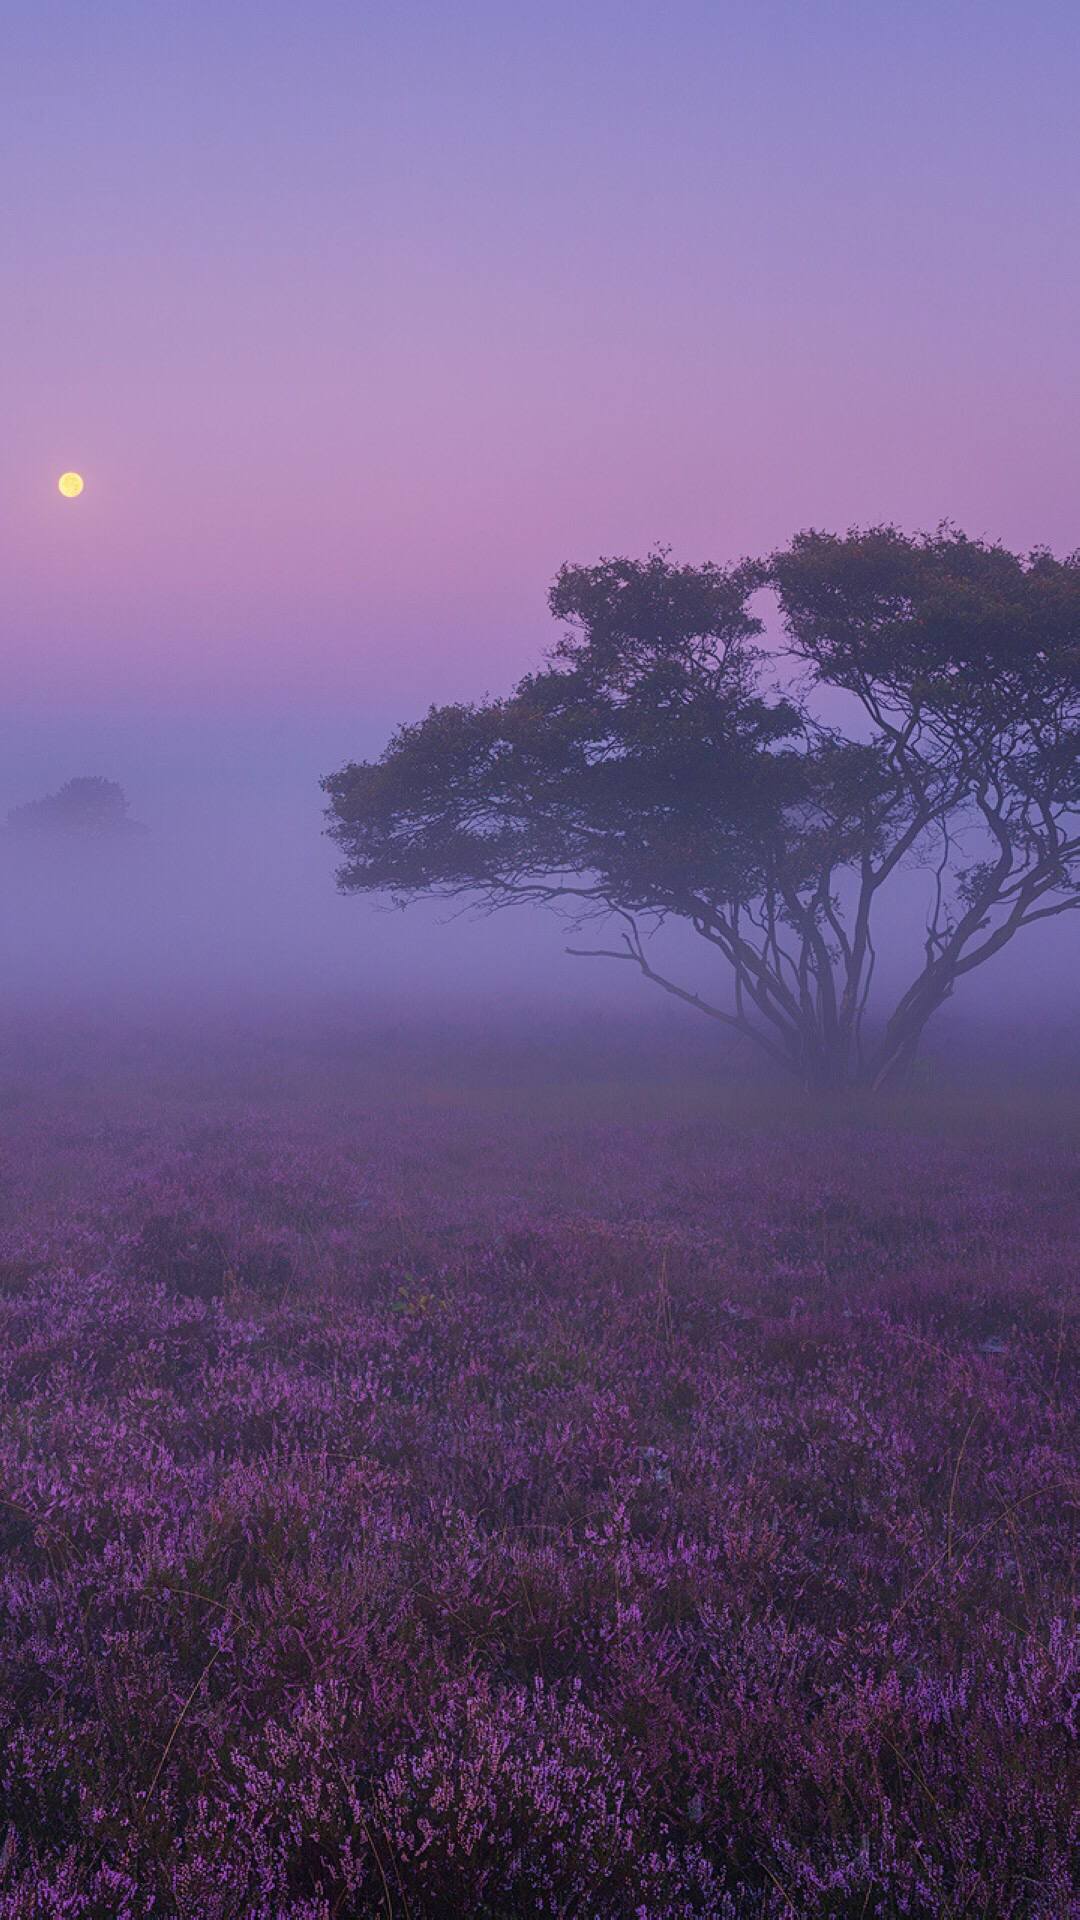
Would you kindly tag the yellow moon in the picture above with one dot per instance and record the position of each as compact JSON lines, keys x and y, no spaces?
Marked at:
{"x":70,"y":485}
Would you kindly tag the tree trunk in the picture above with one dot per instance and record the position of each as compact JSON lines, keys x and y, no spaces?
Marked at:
{"x":891,"y":1065}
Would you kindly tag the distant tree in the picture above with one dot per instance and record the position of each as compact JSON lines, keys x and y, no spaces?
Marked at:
{"x":647,"y":772}
{"x":87,"y":808}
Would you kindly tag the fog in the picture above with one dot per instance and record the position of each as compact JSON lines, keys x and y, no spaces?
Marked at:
{"x":228,"y":900}
{"x":230,"y":891}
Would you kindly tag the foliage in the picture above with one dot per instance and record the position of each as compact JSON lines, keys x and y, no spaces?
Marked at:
{"x":86,"y":808}
{"x":424,"y":1512}
{"x":647,"y":770}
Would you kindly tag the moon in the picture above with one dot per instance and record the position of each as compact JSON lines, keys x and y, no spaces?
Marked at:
{"x":71,"y":485}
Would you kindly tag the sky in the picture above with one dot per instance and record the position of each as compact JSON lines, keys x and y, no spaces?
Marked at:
{"x":360,"y":318}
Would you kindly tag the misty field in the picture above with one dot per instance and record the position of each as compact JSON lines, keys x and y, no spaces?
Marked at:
{"x":585,"y":1494}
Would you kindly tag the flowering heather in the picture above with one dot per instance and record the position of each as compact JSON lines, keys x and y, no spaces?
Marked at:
{"x":503,"y":1506}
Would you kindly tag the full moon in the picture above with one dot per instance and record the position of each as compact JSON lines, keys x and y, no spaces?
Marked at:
{"x":70,"y":485}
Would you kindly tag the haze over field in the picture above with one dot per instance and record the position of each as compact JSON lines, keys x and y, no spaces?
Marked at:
{"x":230,"y":894}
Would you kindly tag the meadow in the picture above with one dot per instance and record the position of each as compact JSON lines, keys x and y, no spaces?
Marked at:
{"x":437,"y":1488}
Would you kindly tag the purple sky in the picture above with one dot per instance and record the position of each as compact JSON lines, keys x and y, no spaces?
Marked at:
{"x":361,"y":317}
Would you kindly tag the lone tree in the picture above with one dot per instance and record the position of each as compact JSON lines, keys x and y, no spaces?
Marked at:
{"x":87,"y":808}
{"x":647,"y":772}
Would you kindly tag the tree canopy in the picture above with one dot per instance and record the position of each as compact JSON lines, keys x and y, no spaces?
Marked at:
{"x":649,"y":769}
{"x":89,"y":807}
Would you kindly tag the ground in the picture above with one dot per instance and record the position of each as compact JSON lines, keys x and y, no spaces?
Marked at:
{"x":438,"y":1481}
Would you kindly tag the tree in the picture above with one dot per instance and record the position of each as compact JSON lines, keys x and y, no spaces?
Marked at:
{"x":648,"y":772}
{"x":86,"y":808}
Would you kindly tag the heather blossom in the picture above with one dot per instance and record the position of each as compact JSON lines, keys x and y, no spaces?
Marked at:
{"x":653,"y":1521}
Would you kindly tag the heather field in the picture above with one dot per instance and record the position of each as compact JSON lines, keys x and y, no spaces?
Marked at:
{"x":576,"y":1490}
